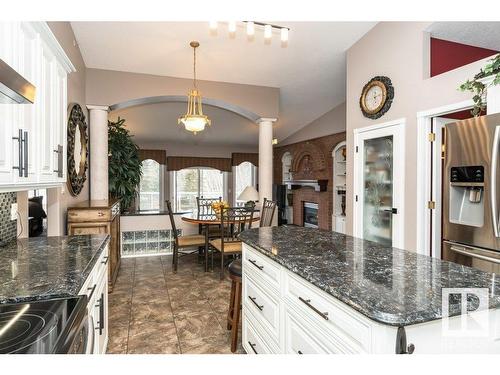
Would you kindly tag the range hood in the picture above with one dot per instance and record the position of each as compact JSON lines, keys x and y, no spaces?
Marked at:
{"x":14,"y":88}
{"x":318,"y":185}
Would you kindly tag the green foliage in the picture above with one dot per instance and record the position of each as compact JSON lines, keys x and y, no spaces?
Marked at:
{"x":478,"y":88}
{"x":124,"y":164}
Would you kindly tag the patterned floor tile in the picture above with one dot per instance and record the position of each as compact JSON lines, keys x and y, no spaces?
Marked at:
{"x":153,"y":310}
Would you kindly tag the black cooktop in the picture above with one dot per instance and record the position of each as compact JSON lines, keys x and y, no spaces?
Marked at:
{"x":37,"y":327}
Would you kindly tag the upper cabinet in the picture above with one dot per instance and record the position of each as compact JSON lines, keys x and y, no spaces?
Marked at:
{"x":33,"y":136}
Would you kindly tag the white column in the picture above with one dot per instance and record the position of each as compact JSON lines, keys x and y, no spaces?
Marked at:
{"x":265,"y":158}
{"x":98,"y":120}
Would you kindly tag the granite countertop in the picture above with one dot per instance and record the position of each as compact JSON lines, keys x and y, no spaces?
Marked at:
{"x":47,"y":267}
{"x":388,"y":285}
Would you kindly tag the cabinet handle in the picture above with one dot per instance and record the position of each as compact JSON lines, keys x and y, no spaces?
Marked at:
{"x":260,"y":307}
{"x":307,"y":302}
{"x":255,"y":264}
{"x":59,"y":153}
{"x":253,"y":347}
{"x":101,"y":314}
{"x":92,"y":291}
{"x":25,"y":153}
{"x":100,"y":214}
{"x":105,"y":260}
{"x":401,"y":345}
{"x":19,"y":139}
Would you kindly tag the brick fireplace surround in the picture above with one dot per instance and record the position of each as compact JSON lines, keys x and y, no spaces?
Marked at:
{"x":324,"y":201}
{"x":311,"y":160}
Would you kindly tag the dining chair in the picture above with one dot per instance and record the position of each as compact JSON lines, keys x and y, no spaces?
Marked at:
{"x":182,"y":242}
{"x":233,"y":221}
{"x":204,"y":206}
{"x":267,"y":213}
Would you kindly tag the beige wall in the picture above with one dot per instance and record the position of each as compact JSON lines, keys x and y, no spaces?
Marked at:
{"x":108,"y":87}
{"x":332,"y":122}
{"x":399,"y":50}
{"x":76,"y":94}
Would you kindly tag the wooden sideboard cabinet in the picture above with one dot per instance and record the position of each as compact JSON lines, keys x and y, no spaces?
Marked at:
{"x":99,"y":217}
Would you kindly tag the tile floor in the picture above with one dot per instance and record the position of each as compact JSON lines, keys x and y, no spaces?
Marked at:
{"x":152,"y":310}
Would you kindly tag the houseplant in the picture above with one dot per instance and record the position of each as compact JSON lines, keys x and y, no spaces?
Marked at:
{"x":124,"y":164}
{"x":478,"y":88}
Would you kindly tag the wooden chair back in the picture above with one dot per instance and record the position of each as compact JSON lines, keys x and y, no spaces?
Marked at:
{"x":267,"y":213}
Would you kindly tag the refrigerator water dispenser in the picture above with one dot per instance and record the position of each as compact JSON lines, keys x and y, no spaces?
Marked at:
{"x":467,"y":196}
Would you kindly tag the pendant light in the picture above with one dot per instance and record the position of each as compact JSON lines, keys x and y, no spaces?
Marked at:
{"x":194,"y":120}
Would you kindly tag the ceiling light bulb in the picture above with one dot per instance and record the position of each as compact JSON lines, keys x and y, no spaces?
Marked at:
{"x":268,"y":32}
{"x":250,"y":28}
{"x":212,"y":25}
{"x":275,"y":141}
{"x":284,"y":35}
{"x":232,"y":27}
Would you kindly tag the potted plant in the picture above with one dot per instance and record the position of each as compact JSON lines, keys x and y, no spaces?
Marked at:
{"x":478,"y":85}
{"x":124,"y":164}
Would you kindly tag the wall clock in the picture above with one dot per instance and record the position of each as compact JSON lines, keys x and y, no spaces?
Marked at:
{"x":376,"y":97}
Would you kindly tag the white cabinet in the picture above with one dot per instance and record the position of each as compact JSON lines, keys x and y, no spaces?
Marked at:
{"x":284,"y":313}
{"x":96,"y":290}
{"x":38,"y":158}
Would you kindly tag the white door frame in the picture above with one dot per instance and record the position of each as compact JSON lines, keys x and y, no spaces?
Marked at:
{"x":424,"y":176}
{"x":397,"y":129}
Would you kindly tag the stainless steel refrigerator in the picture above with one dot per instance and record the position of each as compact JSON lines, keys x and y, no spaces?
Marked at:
{"x":471,"y":193}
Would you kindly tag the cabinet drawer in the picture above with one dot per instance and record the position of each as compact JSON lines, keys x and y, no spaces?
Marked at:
{"x":264,"y":306}
{"x":81,"y":216}
{"x":337,"y":320}
{"x":301,"y":338}
{"x":261,"y":267}
{"x":81,"y":229}
{"x":252,"y":342}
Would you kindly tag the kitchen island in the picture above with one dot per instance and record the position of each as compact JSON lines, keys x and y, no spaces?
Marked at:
{"x":313,"y":291}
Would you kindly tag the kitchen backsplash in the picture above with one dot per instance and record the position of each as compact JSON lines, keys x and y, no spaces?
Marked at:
{"x":8,"y":228}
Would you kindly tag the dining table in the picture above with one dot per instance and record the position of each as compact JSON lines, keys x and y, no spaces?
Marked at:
{"x":206,"y":220}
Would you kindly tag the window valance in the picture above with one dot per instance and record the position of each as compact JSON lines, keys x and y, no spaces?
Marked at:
{"x":239,"y":157}
{"x":159,"y":156}
{"x":176,"y":163}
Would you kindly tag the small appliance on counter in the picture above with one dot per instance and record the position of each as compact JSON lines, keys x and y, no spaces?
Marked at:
{"x":58,"y":326}
{"x":471,"y":193}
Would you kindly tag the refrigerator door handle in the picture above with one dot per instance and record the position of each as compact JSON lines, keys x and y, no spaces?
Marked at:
{"x":493,"y":174}
{"x":463,"y":251}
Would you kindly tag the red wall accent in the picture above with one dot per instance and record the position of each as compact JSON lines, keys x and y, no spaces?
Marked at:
{"x":446,"y":55}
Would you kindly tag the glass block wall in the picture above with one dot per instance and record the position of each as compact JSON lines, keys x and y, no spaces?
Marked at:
{"x":148,"y":242}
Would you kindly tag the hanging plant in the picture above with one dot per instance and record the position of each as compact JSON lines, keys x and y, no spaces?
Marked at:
{"x":124,"y":164}
{"x":478,"y":88}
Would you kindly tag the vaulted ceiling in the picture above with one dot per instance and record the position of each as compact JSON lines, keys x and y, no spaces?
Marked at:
{"x":310,"y":70}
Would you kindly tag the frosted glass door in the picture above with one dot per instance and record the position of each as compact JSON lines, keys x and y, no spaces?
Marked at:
{"x":378,"y":185}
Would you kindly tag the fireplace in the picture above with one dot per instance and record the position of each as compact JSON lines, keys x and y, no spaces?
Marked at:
{"x":310,"y":215}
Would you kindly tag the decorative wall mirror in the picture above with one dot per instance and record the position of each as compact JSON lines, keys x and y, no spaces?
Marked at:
{"x":78,"y":142}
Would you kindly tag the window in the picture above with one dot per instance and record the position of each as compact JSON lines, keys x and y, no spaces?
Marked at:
{"x":245,"y":175}
{"x":150,"y":185}
{"x":197,"y":182}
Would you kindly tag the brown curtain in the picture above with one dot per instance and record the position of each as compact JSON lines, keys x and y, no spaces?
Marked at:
{"x":239,"y":157}
{"x":176,"y":163}
{"x":159,"y":156}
